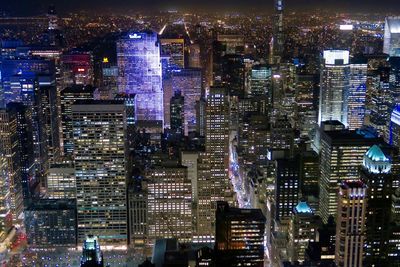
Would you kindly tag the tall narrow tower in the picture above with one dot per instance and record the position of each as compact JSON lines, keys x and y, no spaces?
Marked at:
{"x":277,"y":41}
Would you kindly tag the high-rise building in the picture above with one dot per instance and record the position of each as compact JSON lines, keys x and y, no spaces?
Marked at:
{"x":394,"y":133}
{"x":137,"y":215}
{"x":239,"y":236}
{"x":177,"y":113}
{"x":342,"y":153}
{"x":303,"y":229}
{"x":68,"y":96}
{"x":51,"y":223}
{"x":306,"y":103}
{"x":25,"y":148}
{"x":174,"y":50}
{"x":213,"y":165}
{"x":61,"y":182}
{"x":9,"y":146}
{"x":92,"y":256}
{"x":391,"y":41}
{"x":139,"y":67}
{"x":381,"y":101}
{"x":334,"y":88}
{"x":76,"y":69}
{"x":260,"y":81}
{"x":379,"y":172}
{"x":5,"y":208}
{"x":357,"y":93}
{"x":287,"y":188}
{"x":169,"y":198}
{"x":99,"y":129}
{"x":189,"y":83}
{"x":278,"y":41}
{"x":350,"y":226}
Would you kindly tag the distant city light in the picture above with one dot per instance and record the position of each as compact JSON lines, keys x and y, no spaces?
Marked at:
{"x":346,"y":27}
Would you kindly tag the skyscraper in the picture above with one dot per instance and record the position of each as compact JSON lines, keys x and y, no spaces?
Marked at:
{"x":342,"y":153}
{"x":177,"y":113}
{"x":68,"y":96}
{"x":169,"y":203}
{"x":350,"y":225}
{"x":213,"y":175}
{"x":334,"y":88}
{"x":51,"y":223}
{"x":100,"y":169}
{"x":277,"y":42}
{"x":9,"y":144}
{"x":380,"y":173}
{"x":302,"y":230}
{"x":139,"y":67}
{"x":189,"y":83}
{"x":239,"y":236}
{"x":357,"y":94}
{"x":391,"y":41}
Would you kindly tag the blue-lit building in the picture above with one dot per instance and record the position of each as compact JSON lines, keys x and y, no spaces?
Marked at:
{"x":139,"y":65}
{"x":394,"y":137}
{"x":91,"y":253}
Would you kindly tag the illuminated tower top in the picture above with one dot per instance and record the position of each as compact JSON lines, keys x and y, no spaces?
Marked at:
{"x":53,"y":18}
{"x":91,"y":253}
{"x":277,"y":42}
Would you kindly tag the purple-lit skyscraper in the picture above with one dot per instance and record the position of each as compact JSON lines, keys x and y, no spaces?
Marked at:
{"x":140,"y":74}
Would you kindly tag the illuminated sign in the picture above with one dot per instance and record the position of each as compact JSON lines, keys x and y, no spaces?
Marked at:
{"x":135,"y":36}
{"x":105,"y":60}
{"x":81,"y":70}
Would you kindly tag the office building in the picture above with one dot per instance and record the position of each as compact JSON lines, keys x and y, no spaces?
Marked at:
{"x":25,"y":150}
{"x":137,"y":215}
{"x":61,"y":182}
{"x":379,"y":172}
{"x":99,"y":129}
{"x":9,"y":142}
{"x":51,"y":223}
{"x":173,"y":49}
{"x":287,"y":188}
{"x":239,"y":236}
{"x":67,"y":98}
{"x":350,"y":224}
{"x":357,"y":93}
{"x":6,"y":216}
{"x":394,"y":134}
{"x":334,"y":87}
{"x":342,"y":153}
{"x":169,"y":202}
{"x":76,"y":69}
{"x":391,"y":39}
{"x":177,"y":113}
{"x":303,"y":228}
{"x":260,"y":81}
{"x":306,"y":103}
{"x":139,"y":65}
{"x":189,"y":83}
{"x":213,"y":175}
{"x":278,"y":39}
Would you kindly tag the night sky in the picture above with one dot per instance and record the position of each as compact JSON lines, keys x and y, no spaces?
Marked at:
{"x":35,"y":7}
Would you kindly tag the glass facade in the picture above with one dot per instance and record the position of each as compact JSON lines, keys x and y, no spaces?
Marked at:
{"x":139,"y":67}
